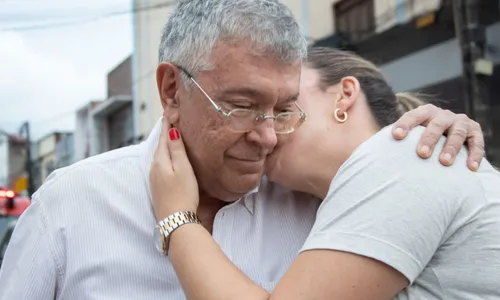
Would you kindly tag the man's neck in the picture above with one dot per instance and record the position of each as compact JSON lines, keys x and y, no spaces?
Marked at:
{"x":207,"y":209}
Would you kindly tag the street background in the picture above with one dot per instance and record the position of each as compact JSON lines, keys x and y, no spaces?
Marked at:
{"x":77,"y":78}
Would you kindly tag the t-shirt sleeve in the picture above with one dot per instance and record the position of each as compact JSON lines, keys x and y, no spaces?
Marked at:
{"x":388,"y":204}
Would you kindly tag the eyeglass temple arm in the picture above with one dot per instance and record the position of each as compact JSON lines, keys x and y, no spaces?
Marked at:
{"x":217,"y":107}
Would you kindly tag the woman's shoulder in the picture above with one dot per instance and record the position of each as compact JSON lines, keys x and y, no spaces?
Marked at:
{"x":382,"y":158}
{"x":383,"y":161}
{"x":384,"y":144}
{"x":382,"y":148}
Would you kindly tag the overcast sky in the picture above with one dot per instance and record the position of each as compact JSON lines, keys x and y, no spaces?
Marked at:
{"x":47,"y":73}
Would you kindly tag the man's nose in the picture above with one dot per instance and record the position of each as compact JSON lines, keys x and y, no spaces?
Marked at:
{"x":264,"y":135}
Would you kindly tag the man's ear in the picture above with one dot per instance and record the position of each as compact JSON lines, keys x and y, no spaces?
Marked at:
{"x":350,"y":91}
{"x":168,"y":82}
{"x":172,"y":112}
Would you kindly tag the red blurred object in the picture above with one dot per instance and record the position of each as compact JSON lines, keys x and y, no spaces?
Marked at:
{"x":7,"y":194}
{"x":12,"y":205}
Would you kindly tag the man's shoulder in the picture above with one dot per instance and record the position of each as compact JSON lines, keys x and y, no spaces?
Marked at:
{"x":92,"y":174}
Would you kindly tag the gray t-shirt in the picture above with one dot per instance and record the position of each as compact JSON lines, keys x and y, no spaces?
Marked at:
{"x":439,"y":226}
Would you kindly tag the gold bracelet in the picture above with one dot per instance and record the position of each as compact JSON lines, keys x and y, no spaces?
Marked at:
{"x":166,"y":226}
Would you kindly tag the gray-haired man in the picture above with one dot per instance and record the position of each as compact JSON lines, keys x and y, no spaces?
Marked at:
{"x":89,"y":232}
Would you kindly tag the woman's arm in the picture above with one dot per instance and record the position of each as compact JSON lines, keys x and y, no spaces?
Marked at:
{"x":206,"y":273}
{"x":382,"y":223}
{"x":204,"y":270}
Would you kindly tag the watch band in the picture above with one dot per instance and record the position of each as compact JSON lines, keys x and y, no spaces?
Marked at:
{"x":172,"y":222}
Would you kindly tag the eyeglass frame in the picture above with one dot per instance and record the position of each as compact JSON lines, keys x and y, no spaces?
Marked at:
{"x":261,"y":116}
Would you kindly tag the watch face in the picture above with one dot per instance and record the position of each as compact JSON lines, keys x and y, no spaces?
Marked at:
{"x":159,"y":238}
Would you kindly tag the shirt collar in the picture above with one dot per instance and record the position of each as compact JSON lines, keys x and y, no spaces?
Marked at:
{"x":150,"y":145}
{"x":248,"y":201}
{"x":151,"y":142}
{"x":148,"y":149}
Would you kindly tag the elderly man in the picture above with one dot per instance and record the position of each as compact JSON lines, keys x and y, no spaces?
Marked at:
{"x":89,"y":231}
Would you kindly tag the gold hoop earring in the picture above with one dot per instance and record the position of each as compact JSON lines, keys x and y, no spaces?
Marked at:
{"x":344,"y":117}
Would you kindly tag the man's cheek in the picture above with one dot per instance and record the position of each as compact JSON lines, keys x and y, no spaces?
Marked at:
{"x":283,"y":139}
{"x":270,"y":164}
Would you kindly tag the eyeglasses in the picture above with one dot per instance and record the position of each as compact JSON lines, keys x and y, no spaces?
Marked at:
{"x":245,"y":120}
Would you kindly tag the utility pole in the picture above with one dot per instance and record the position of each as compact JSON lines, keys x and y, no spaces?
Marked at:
{"x":29,"y":166}
{"x":471,"y":35}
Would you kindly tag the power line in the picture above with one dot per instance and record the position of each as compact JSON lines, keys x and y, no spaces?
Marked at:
{"x":98,"y":18}
{"x":93,"y":19}
{"x":51,"y":12}
{"x":48,"y":119}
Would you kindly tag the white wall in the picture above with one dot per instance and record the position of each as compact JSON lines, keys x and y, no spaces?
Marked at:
{"x":81,"y":131}
{"x":47,"y":145}
{"x":45,"y":161}
{"x":84,"y":134}
{"x":46,"y":153}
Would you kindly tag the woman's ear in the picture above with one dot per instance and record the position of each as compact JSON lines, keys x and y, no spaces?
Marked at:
{"x":168,"y":82}
{"x":350,"y":90}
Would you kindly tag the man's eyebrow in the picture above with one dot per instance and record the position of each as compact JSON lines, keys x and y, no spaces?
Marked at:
{"x":243,"y":91}
{"x":253,"y":93}
{"x":291,"y":98}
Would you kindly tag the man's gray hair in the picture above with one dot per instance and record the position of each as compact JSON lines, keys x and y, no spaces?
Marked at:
{"x":196,"y":26}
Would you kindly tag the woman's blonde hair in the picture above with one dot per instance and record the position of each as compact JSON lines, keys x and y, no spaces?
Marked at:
{"x":409,"y":101}
{"x":333,"y":65}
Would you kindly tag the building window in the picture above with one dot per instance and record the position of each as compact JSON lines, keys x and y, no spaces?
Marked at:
{"x":354,"y":18}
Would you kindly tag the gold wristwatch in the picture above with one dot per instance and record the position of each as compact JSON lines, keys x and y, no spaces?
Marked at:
{"x":166,"y":226}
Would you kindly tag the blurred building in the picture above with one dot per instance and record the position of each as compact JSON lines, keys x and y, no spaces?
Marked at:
{"x":113,"y":118}
{"x":36,"y":172}
{"x":416,"y":47}
{"x":65,"y":149}
{"x":323,"y":21}
{"x":148,"y":23}
{"x":53,"y":151}
{"x":108,"y":124}
{"x":4,"y":181}
{"x":16,"y":160}
{"x":413,"y":42}
{"x":84,"y":130}
{"x":14,"y":164}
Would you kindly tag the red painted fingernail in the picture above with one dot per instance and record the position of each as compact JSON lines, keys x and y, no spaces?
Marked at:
{"x":174,"y":134}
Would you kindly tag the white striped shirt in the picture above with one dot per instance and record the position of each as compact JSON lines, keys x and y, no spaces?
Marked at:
{"x":89,"y":233}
